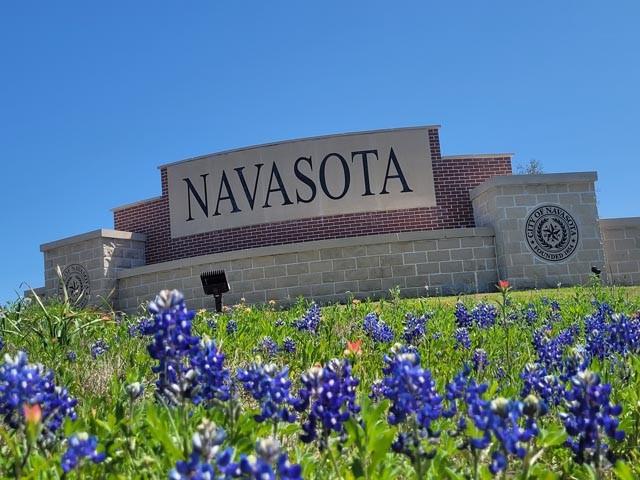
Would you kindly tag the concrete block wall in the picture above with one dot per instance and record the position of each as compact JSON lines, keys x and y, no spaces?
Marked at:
{"x":621,"y":240}
{"x":504,"y":204}
{"x":447,"y":261}
{"x":101,"y":252}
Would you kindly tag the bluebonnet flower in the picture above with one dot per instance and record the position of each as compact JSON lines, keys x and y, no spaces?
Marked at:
{"x":550,"y":350}
{"x":172,"y":345}
{"x":206,"y":444}
{"x":462,"y":338}
{"x":269,"y":463}
{"x":212,"y":323}
{"x":279,"y":322}
{"x":1,"y":343}
{"x":328,"y":395}
{"x":530,"y":315}
{"x":436,"y":336}
{"x":289,"y":345}
{"x":376,"y":328}
{"x":99,"y":347}
{"x":208,"y":461}
{"x":608,"y":333}
{"x":463,"y":318}
{"x":79,"y":446}
{"x":555,"y":306}
{"x":410,"y":388}
{"x":480,"y":359}
{"x":415,"y":328}
{"x":511,"y":423}
{"x":484,"y":315}
{"x":22,"y":383}
{"x":135,"y":390}
{"x":537,"y":380}
{"x":590,"y":417}
{"x":310,"y":321}
{"x":270,"y":388}
{"x":267,"y":346}
{"x":232,"y":327}
{"x":72,"y":356}
{"x":212,"y":378}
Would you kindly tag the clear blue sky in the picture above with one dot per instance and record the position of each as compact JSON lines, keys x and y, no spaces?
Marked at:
{"x":95,"y":95}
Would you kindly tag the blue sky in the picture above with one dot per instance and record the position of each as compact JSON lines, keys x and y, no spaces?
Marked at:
{"x":95,"y":95}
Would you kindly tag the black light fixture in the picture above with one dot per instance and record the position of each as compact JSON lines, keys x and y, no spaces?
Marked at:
{"x":215,"y":283}
{"x":596,"y":271}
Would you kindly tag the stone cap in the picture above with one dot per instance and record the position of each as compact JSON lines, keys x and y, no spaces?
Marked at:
{"x":134,"y":204}
{"x":542,"y":179}
{"x":620,"y":222}
{"x":304,"y":246}
{"x":101,"y":232}
{"x":304,"y":139}
{"x":478,"y":155}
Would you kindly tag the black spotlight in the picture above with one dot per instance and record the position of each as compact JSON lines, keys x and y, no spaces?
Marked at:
{"x":215,"y":283}
{"x":596,"y":271}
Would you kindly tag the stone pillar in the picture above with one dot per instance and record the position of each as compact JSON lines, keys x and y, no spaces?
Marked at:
{"x":89,"y":264}
{"x":621,"y":239}
{"x":546,"y":227}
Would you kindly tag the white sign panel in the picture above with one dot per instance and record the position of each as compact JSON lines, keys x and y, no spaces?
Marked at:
{"x":363,"y":172}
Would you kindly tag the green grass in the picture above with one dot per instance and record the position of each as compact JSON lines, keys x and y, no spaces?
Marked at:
{"x":145,"y":438}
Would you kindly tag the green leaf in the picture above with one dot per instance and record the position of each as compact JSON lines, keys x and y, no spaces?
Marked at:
{"x":553,"y":437}
{"x":357,"y":469}
{"x":623,"y":471}
{"x":453,"y":475}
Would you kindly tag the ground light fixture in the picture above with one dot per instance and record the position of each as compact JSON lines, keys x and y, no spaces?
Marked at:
{"x":215,"y":283}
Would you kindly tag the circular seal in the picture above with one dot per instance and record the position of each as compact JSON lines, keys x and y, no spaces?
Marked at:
{"x":551,"y":233}
{"x":76,"y":281}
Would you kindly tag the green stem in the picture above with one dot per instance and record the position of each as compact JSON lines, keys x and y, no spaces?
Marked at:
{"x":332,"y":458}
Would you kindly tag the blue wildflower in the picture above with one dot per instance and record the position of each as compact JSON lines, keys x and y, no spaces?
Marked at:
{"x":537,"y":380}
{"x":462,"y":338}
{"x":590,"y":417}
{"x":268,"y":346}
{"x":463,"y":318}
{"x":22,"y":383}
{"x":328,"y":395}
{"x":72,"y":356}
{"x":80,"y":446}
{"x":99,"y":347}
{"x":415,"y":328}
{"x":377,"y":329}
{"x":480,"y":359}
{"x":270,"y":388}
{"x":1,"y":343}
{"x":212,"y":378}
{"x":172,"y":345}
{"x":411,"y":389}
{"x":484,"y":315}
{"x":310,"y":321}
{"x":232,"y":327}
{"x":289,"y":345}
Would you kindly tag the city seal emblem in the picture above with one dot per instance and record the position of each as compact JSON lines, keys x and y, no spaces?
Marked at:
{"x":75,"y":280}
{"x":551,"y":233}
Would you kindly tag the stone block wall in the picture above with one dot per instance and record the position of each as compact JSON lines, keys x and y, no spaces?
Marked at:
{"x":447,"y":261}
{"x":101,"y":253}
{"x":504,"y":203}
{"x":621,"y":240}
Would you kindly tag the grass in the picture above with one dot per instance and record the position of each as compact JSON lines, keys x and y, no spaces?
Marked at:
{"x":144,"y":438}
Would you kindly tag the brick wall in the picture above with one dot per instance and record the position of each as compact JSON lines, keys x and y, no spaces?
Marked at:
{"x":453,"y":177}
